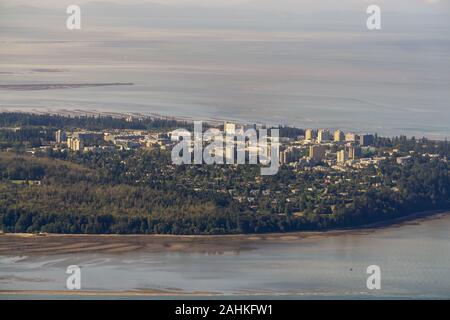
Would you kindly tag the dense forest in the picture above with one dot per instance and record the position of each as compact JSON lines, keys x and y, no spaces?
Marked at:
{"x":106,"y":194}
{"x":141,"y":191}
{"x":20,"y":119}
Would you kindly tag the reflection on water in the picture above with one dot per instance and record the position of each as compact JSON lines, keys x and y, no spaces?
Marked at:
{"x":414,"y":261}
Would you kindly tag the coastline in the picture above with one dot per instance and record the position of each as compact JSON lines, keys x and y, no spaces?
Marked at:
{"x":118,"y":115}
{"x":108,"y":294}
{"x":26,"y":244}
{"x":207,"y":244}
{"x":211,"y":120}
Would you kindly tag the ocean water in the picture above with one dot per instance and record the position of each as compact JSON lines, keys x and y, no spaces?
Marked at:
{"x":307,"y":71}
{"x":414,"y":261}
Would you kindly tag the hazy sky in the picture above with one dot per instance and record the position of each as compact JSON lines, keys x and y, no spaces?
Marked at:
{"x":299,"y":15}
{"x":293,"y":4}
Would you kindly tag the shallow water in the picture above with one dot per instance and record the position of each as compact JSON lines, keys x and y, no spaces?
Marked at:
{"x":414,"y":261}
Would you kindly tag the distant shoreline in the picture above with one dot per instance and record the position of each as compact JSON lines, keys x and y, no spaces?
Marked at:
{"x":55,"y":86}
{"x":214,"y":121}
{"x":115,"y":114}
{"x":52,"y":244}
{"x":111,"y":294}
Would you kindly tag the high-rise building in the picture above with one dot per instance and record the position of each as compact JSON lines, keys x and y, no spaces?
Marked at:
{"x":350,"y":137}
{"x":317,"y":153}
{"x":323,"y":135}
{"x":339,"y":136}
{"x":283,"y":156}
{"x":310,"y":134}
{"x":342,"y":156}
{"x":60,"y":136}
{"x":354,"y":152}
{"x":75,"y":144}
{"x":78,"y":145}
{"x":289,"y":155}
{"x":366,"y":140}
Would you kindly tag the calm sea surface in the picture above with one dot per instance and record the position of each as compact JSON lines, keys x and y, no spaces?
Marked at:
{"x":386,"y":82}
{"x":414,"y":261}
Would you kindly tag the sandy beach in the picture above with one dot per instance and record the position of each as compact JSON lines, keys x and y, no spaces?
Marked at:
{"x":293,"y":265}
{"x":110,"y":294}
{"x":53,"y":244}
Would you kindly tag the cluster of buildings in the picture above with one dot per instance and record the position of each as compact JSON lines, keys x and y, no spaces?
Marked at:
{"x":121,"y":139}
{"x":337,"y":149}
{"x":324,"y":146}
{"x":325,"y":136}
